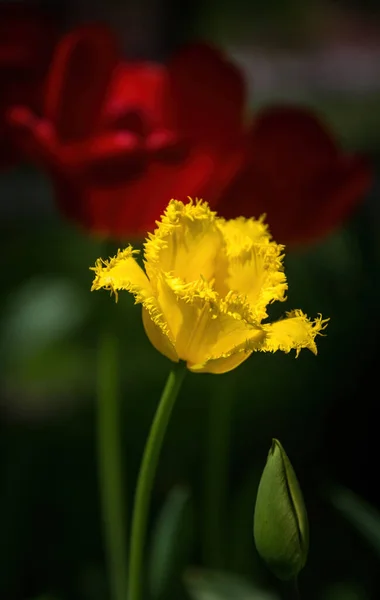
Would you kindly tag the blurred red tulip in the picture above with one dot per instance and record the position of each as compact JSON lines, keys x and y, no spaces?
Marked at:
{"x":27,"y":38}
{"x":120,"y":139}
{"x":296,"y":174}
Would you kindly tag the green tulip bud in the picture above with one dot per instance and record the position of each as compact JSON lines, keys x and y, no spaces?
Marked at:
{"x":280,"y":527}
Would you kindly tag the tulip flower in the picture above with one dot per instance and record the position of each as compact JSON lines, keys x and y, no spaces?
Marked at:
{"x":118,"y":138}
{"x":112,"y":130}
{"x":297,"y":175}
{"x":206,"y":288}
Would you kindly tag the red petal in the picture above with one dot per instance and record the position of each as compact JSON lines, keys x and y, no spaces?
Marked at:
{"x":164,"y":145}
{"x":138,"y":88}
{"x":337,"y":193}
{"x":106,"y":159}
{"x":80,"y":73}
{"x":290,"y":141}
{"x":34,"y":137}
{"x":132,"y":207}
{"x":297,"y":177}
{"x":206,"y":95}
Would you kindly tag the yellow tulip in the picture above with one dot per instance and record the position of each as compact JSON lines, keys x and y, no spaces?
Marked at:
{"x":206,"y":287}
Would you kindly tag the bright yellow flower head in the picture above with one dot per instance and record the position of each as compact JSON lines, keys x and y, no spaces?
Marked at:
{"x":206,"y":287}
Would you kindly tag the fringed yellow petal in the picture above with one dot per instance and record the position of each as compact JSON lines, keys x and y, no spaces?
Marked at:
{"x":204,"y":326}
{"x":122,"y":273}
{"x":237,"y":306}
{"x":187,"y":310}
{"x":296,"y":331}
{"x":240,"y":344}
{"x":207,"y":288}
{"x":218,"y":366}
{"x":241,"y":233}
{"x":159,"y":336}
{"x":185,"y":243}
{"x":251,"y":265}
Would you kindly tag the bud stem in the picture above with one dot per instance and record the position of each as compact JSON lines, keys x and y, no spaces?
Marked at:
{"x":296,"y":590}
{"x":291,"y":590}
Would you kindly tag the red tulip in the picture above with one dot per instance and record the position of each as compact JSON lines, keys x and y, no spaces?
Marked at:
{"x":120,"y":139}
{"x":297,"y":175}
{"x":27,"y":39}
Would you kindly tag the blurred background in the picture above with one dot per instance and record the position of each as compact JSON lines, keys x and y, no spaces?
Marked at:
{"x":323,"y":55}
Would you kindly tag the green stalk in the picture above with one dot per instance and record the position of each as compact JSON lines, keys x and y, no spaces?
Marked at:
{"x":146,"y":478}
{"x":291,"y":590}
{"x":296,"y":590}
{"x":110,"y":464}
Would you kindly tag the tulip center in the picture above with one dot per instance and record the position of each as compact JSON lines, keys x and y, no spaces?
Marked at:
{"x":154,"y":141}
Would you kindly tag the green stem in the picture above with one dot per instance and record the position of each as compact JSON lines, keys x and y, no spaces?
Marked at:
{"x":292,"y":590}
{"x":216,"y":473}
{"x":146,"y":478}
{"x":296,"y":590}
{"x":110,"y":464}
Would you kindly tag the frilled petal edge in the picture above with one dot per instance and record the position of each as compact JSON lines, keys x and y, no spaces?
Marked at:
{"x":123,"y":273}
{"x":296,"y":331}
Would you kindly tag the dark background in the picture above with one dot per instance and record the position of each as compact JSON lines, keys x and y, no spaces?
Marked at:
{"x":323,"y":409}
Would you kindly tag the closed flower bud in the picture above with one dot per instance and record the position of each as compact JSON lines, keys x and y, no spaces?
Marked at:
{"x":280,"y":526}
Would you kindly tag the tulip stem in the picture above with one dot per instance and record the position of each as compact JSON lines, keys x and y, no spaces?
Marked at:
{"x":216,"y":473}
{"x":110,"y":464}
{"x":146,"y":478}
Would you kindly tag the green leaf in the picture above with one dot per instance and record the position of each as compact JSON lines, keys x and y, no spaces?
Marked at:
{"x":281,"y":528}
{"x":364,"y":517}
{"x":170,"y":543}
{"x":216,"y":585}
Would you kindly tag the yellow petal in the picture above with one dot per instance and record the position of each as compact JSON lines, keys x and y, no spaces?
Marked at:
{"x":188,"y":312}
{"x":251,"y":265}
{"x":217,"y":363}
{"x":158,"y":338}
{"x":203,"y":326}
{"x":185,"y":243}
{"x":242,"y":232}
{"x":122,"y":273}
{"x":296,"y":331}
{"x":217,"y":366}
